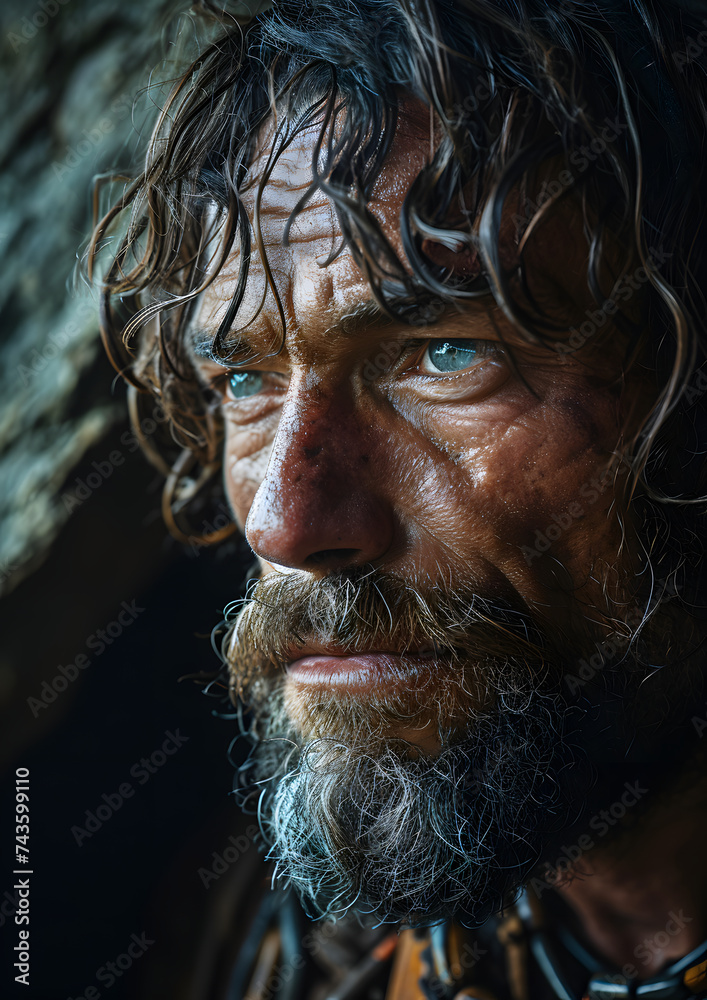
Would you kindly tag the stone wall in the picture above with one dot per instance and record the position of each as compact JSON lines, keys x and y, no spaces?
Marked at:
{"x":70,"y":71}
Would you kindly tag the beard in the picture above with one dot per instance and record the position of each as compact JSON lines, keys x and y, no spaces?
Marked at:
{"x":436,"y":795}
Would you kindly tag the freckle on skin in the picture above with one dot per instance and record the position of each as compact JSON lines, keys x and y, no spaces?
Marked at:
{"x":467,"y":483}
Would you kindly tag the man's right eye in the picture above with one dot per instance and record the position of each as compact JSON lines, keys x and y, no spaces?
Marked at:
{"x":244,"y":384}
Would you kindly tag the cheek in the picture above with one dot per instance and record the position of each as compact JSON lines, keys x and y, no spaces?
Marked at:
{"x":537,"y":467}
{"x":246,"y":456}
{"x":519,"y":466}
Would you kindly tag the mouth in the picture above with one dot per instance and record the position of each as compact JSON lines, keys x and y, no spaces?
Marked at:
{"x":358,"y":672}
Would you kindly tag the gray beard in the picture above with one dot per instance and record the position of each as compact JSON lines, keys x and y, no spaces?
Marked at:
{"x":400,"y":836}
{"x":358,"y":821}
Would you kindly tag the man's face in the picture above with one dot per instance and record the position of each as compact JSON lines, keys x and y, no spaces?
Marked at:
{"x":417,"y":499}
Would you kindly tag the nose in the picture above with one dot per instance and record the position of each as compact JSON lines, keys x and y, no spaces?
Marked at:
{"x":318,"y":507}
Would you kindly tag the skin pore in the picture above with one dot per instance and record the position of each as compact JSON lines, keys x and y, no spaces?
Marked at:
{"x":426,"y":452}
{"x":481,"y":461}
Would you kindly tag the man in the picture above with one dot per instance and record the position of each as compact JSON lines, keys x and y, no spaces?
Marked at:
{"x":424,"y":280}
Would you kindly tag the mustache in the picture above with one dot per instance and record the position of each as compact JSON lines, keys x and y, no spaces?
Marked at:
{"x":366,"y":610}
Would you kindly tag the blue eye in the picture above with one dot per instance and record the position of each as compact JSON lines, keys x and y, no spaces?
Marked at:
{"x":454,"y":355}
{"x":244,"y":384}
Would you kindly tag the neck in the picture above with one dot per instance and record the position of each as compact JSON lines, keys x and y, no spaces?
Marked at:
{"x":642,"y":902}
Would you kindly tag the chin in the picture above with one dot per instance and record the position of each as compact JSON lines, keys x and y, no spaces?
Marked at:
{"x":422,"y":770}
{"x":412,"y":822}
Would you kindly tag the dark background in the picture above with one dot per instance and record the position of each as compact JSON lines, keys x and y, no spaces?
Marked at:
{"x":70,"y":71}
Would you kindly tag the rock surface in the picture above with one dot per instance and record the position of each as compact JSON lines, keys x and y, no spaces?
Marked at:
{"x":70,"y":71}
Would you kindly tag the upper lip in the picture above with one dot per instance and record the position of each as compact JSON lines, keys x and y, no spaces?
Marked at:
{"x":313,"y":648}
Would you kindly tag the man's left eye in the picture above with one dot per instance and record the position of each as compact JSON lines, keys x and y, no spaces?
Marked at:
{"x":453,"y":355}
{"x":244,"y":384}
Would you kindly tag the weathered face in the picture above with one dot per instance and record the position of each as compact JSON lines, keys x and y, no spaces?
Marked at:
{"x":454,"y":456}
{"x":423,"y":451}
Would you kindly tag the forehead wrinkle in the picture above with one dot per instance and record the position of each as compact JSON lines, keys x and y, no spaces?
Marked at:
{"x":318,"y":319}
{"x":315,"y":221}
{"x":272,"y":206}
{"x":291,"y":171}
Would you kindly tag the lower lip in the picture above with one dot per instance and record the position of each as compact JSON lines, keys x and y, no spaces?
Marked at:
{"x":359,"y":672}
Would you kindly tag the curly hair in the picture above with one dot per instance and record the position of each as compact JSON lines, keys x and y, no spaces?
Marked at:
{"x":512,"y":85}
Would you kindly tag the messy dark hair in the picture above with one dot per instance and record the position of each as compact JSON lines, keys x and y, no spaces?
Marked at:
{"x":510,"y":84}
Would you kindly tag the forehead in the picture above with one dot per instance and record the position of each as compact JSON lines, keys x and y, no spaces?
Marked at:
{"x":310,"y":284}
{"x":309,"y":287}
{"x":292,"y":174}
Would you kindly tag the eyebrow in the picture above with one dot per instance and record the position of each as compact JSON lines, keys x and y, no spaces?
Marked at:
{"x":201,"y":342}
{"x":361,"y":317}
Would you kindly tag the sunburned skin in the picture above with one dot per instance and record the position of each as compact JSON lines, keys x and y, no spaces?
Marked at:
{"x":357,"y":450}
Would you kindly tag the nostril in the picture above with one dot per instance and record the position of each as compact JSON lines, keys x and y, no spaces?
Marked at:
{"x":331,"y":557}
